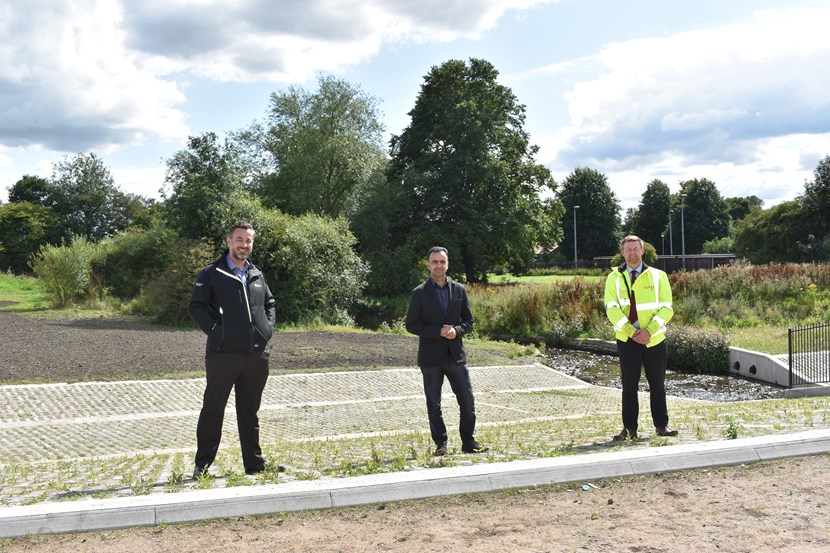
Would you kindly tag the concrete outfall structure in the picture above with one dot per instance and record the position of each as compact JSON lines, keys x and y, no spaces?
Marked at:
{"x":92,"y":514}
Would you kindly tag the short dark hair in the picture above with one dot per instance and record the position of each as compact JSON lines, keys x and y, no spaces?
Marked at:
{"x":437,"y":249}
{"x":243,"y":224}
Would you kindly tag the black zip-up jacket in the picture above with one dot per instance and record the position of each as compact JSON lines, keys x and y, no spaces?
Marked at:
{"x":234,"y":318}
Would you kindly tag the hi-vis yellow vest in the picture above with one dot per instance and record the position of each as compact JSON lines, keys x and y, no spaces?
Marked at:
{"x":654,"y":302}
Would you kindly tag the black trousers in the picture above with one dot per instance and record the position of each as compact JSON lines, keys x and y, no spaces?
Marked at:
{"x":633,"y":357}
{"x":247,"y":373}
{"x":459,"y":378}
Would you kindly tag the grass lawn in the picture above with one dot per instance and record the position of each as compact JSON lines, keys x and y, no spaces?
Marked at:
{"x":544,"y":279}
{"x":766,"y":339}
{"x":27,"y":293}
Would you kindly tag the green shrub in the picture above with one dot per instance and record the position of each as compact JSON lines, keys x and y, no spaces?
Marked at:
{"x":65,"y":270}
{"x":312,"y":269}
{"x":698,"y":350}
{"x":373,"y":313}
{"x":133,"y":256}
{"x":165,"y":297}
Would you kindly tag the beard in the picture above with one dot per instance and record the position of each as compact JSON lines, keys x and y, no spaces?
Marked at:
{"x":241,"y":256}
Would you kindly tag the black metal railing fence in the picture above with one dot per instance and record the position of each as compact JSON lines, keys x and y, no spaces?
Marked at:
{"x":809,"y":347}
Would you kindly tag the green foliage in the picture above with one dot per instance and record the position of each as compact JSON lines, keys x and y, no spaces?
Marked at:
{"x":24,"y":227}
{"x":64,"y":270}
{"x":598,"y":225}
{"x":165,"y":297}
{"x":724,"y":244}
{"x":463,"y":174}
{"x":203,"y":181}
{"x":775,"y":234}
{"x":696,"y":349}
{"x":652,"y":217}
{"x":23,"y":292}
{"x":702,"y":215}
{"x":748,"y":295}
{"x":581,"y":271}
{"x":313,"y":270}
{"x":85,"y":196}
{"x":383,"y":312}
{"x":133,"y":256}
{"x":816,"y":205}
{"x":569,"y":308}
{"x":738,"y":208}
{"x":321,"y":148}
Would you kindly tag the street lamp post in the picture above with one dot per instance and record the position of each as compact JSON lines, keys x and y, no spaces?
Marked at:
{"x":663,"y":243}
{"x":575,"y":263}
{"x":671,"y":241}
{"x":682,"y":232}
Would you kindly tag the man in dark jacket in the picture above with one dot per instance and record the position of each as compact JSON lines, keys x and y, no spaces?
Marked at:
{"x":232,"y":304}
{"x":439,"y":313}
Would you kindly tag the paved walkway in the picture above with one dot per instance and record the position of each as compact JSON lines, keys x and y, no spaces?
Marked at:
{"x":101,"y":439}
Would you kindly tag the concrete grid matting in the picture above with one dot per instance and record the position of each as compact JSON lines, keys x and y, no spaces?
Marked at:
{"x":48,"y":423}
{"x":190,"y":506}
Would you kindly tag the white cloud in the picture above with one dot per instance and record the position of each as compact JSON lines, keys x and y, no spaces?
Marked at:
{"x":101,"y":74}
{"x":70,"y":85}
{"x":717,"y":103}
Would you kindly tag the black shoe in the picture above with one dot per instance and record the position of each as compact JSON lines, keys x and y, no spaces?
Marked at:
{"x":626,"y":433}
{"x":474,"y":447}
{"x":441,"y":450}
{"x":199,"y":472}
{"x":665,"y":431}
{"x":265,"y":467}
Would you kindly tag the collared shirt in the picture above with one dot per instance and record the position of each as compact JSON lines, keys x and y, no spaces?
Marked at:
{"x":241,"y":274}
{"x":639,"y":270}
{"x":443,"y":294}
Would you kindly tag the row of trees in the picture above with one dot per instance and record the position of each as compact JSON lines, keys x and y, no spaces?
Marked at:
{"x":462,"y":174}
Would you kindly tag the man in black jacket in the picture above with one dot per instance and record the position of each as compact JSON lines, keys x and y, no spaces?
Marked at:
{"x":439,"y":313}
{"x":232,"y":304}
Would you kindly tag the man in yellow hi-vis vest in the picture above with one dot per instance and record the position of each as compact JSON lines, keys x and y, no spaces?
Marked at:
{"x":638,"y":302}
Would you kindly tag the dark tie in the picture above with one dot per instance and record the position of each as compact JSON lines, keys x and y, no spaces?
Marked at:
{"x":632,"y":315}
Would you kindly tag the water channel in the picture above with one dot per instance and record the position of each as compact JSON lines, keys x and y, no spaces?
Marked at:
{"x":604,"y":370}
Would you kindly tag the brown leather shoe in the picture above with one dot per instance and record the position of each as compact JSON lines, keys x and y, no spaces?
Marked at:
{"x":665,"y":431}
{"x":626,"y":433}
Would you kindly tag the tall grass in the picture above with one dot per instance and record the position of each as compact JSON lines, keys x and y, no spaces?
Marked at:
{"x":743,"y":295}
{"x":571,"y":307}
{"x":727,"y":297}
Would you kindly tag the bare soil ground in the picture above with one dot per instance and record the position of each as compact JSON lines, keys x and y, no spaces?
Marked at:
{"x":781,"y":505}
{"x":773,"y":506}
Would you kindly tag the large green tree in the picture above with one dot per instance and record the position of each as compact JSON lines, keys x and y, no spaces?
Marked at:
{"x":774,"y":234}
{"x":32,"y":189}
{"x":739,"y":207}
{"x":598,"y":225}
{"x":24,"y":228}
{"x":83,"y":198}
{"x":699,"y":214}
{"x":201,"y":185}
{"x":816,"y":206}
{"x":652,"y":219}
{"x":465,"y":173}
{"x":317,"y":150}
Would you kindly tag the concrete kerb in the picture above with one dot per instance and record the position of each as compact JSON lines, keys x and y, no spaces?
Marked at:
{"x":189,"y":506}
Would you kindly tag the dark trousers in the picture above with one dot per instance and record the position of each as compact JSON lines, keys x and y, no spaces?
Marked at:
{"x":459,"y":378}
{"x":633,"y":357}
{"x":247,"y":374}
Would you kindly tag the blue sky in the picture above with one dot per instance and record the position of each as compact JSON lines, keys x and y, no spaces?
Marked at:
{"x":734,"y":91}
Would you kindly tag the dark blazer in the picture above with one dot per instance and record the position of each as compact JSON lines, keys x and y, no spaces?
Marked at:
{"x":425,"y":319}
